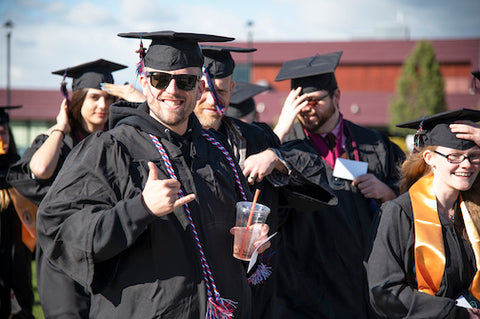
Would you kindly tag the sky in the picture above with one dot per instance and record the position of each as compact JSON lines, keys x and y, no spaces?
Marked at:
{"x":49,"y":35}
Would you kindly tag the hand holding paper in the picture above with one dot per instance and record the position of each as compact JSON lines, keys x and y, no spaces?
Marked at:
{"x":348,"y":169}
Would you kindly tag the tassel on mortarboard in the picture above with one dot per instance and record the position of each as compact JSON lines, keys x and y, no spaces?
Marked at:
{"x":141,"y":53}
{"x":418,"y":139}
{"x":63,"y":88}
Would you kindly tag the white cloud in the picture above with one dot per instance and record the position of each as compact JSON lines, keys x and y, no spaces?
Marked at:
{"x":50,"y":35}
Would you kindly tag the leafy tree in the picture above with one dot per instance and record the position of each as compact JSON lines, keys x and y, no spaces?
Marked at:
{"x":420,"y":88}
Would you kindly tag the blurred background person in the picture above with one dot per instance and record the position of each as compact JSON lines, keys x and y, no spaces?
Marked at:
{"x":242,"y":105}
{"x":16,"y":293}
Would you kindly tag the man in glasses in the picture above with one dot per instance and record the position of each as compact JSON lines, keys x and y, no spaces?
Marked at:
{"x":140,"y":215}
{"x":326,"y":278}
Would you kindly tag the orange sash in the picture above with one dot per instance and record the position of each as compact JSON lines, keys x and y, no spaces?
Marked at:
{"x":27,"y":212}
{"x":429,"y":249}
{"x":429,"y":246}
{"x":474,"y":239}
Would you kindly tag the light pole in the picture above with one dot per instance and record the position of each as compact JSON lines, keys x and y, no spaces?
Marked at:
{"x":8,"y":25}
{"x":249,"y":45}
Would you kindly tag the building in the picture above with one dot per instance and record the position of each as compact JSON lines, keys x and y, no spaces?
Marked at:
{"x":367,"y":76}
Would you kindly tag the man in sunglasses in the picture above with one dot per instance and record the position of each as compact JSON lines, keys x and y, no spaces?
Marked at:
{"x":140,"y":215}
{"x":326,"y":279}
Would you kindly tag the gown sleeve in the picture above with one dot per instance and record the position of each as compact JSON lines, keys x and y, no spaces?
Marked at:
{"x":390,"y":278}
{"x":395,"y":157}
{"x":93,"y":211}
{"x":20,"y":176}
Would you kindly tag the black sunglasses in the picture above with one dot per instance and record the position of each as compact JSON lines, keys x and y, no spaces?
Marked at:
{"x":161,"y":80}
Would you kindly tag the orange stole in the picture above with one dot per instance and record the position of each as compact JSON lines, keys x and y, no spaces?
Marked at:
{"x":27,"y":212}
{"x":429,"y":247}
{"x":474,"y":239}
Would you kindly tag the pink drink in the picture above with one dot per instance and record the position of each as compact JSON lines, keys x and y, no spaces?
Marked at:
{"x":252,"y":235}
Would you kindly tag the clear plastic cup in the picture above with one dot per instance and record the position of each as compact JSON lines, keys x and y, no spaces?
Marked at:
{"x":245,"y":237}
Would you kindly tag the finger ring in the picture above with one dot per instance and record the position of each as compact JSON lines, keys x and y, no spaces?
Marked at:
{"x":251,"y":177}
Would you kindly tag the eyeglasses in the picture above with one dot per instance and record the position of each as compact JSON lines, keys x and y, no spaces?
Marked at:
{"x":458,"y":158}
{"x":312,"y":101}
{"x":161,"y":80}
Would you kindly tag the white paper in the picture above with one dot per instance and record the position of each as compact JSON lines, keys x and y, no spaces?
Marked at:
{"x":462,"y":302}
{"x":348,"y":169}
{"x":253,"y":259}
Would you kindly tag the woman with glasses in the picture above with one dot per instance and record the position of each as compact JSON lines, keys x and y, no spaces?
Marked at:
{"x":425,"y":257}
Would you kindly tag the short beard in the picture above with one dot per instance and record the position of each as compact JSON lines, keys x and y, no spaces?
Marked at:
{"x":320,"y":121}
{"x":208,"y":121}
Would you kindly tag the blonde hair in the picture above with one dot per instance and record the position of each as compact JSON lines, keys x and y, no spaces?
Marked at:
{"x":5,"y":199}
{"x":471,"y":198}
{"x":414,"y":168}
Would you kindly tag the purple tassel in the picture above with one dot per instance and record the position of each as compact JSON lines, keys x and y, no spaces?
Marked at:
{"x":260,"y":275}
{"x":141,"y":53}
{"x":220,"y":308}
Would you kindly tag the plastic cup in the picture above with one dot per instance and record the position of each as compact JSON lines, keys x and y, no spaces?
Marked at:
{"x":245,"y":236}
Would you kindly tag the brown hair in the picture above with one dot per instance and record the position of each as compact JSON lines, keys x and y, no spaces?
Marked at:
{"x":414,"y":168}
{"x":75,"y":111}
{"x":471,"y":198}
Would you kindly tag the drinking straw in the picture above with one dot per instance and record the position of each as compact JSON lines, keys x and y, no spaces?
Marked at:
{"x":252,"y":209}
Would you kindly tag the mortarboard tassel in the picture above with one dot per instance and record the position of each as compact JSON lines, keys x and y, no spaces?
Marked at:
{"x":220,"y":108}
{"x":418,"y":139}
{"x":141,"y":53}
{"x":63,"y":88}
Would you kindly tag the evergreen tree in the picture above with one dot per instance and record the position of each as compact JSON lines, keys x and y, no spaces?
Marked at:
{"x":420,"y":88}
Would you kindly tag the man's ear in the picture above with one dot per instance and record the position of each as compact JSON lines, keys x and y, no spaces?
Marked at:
{"x":144,"y":83}
{"x":336,"y":97}
{"x":201,"y":88}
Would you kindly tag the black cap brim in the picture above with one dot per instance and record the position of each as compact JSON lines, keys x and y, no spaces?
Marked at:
{"x":4,"y":116}
{"x":170,"y":50}
{"x":434,"y":130}
{"x":219,"y":61}
{"x":91,"y":74}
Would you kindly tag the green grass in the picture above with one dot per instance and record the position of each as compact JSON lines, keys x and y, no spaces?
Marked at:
{"x":37,"y":309}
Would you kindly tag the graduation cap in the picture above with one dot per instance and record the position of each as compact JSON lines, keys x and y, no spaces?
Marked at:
{"x":241,"y":101}
{"x":91,"y":74}
{"x":218,"y":59}
{"x":476,"y":74}
{"x":435,"y":131}
{"x":4,"y":116}
{"x":312,"y":74}
{"x":170,"y":50}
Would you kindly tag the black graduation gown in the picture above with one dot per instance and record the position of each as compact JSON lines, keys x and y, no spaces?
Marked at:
{"x":391,"y":267}
{"x":60,"y":296}
{"x":20,"y":175}
{"x":314,"y":192}
{"x":321,"y":272}
{"x":15,"y":257}
{"x":93,"y":225}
